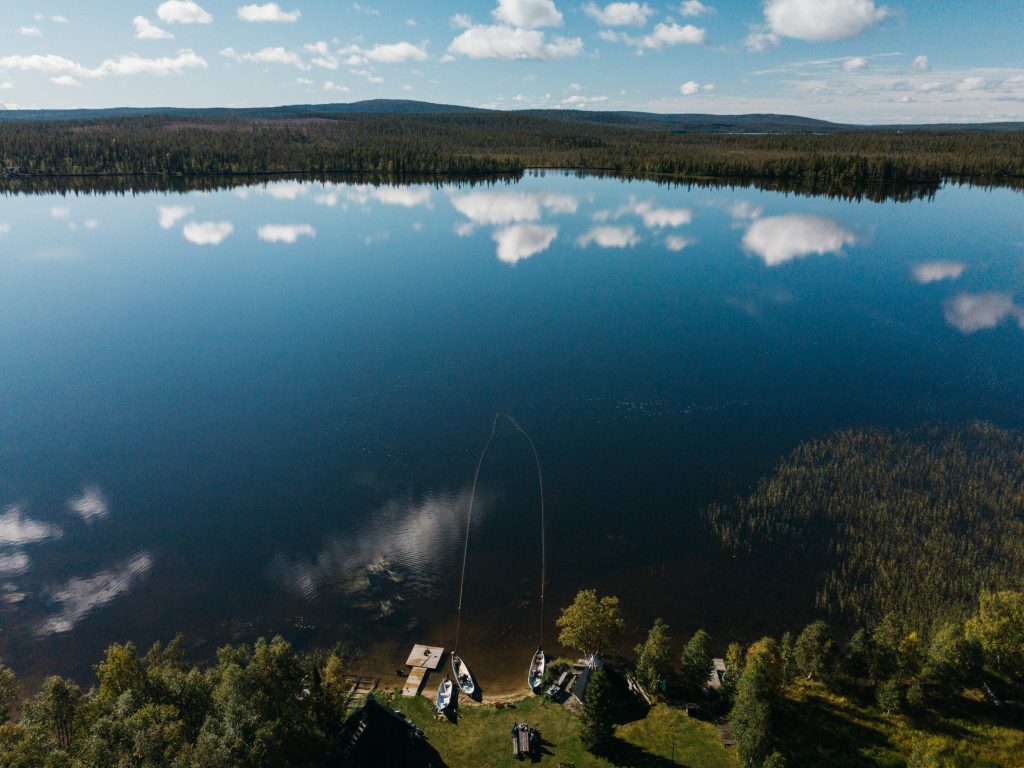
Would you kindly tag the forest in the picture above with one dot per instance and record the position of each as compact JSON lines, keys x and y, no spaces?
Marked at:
{"x":154,"y":151}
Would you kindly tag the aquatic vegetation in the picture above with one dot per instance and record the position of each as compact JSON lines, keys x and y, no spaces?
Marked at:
{"x":911,"y":523}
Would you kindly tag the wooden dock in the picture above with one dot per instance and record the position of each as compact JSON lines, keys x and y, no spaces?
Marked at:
{"x":425,"y":657}
{"x":414,"y":681}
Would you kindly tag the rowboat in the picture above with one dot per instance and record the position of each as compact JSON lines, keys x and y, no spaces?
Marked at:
{"x":536,"y":678}
{"x":444,"y":694}
{"x":463,"y":676}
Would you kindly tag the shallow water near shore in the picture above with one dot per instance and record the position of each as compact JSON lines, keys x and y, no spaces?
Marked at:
{"x":258,"y":411}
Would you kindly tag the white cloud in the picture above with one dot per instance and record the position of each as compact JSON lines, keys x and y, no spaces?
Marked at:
{"x":677,"y":243}
{"x":528,"y":13}
{"x":171,"y":214}
{"x":183,"y":12}
{"x":147,"y":30}
{"x":855,"y":64}
{"x":973,"y":312}
{"x":821,"y":20}
{"x":272,"y":55}
{"x":507,"y":207}
{"x":60,"y":212}
{"x":521,"y":241}
{"x":689,"y":88}
{"x":30,"y":32}
{"x":268,"y":12}
{"x":780,"y":239}
{"x":64,"y":80}
{"x":669,"y":34}
{"x":652,"y":216}
{"x":934,"y":271}
{"x":609,"y":237}
{"x":760,"y":39}
{"x":502,"y":42}
{"x":579,"y":101}
{"x":124,"y":65}
{"x":90,"y":504}
{"x":284,"y":233}
{"x":620,"y":14}
{"x":692,"y":8}
{"x":330,"y":85}
{"x":6,"y":85}
{"x":745,"y":211}
{"x":921,"y":63}
{"x":462,"y":21}
{"x":16,"y":530}
{"x":396,"y":53}
{"x":208,"y":232}
{"x":5,"y":228}
{"x":80,"y":596}
{"x":13,"y":563}
{"x":404,"y":197}
{"x":58,"y":19}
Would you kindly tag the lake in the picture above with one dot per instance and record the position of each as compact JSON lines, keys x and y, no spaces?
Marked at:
{"x":256,"y":411}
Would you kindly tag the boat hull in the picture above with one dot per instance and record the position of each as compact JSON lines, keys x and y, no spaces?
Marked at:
{"x":537,"y":665}
{"x":463,"y":677}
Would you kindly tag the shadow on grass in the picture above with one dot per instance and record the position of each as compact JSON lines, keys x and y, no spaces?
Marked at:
{"x":626,"y":755}
{"x":816,"y":734}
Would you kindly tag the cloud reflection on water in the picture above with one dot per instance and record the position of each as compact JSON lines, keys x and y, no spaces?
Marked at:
{"x":780,"y":239}
{"x":80,"y":596}
{"x":521,"y":241}
{"x":934,"y":271}
{"x":415,"y":537}
{"x":90,"y":505}
{"x":609,"y":237}
{"x":973,"y":312}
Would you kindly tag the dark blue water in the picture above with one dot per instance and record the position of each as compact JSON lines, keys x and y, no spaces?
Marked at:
{"x":241,"y":413}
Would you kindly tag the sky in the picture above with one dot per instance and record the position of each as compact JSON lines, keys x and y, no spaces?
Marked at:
{"x":846,"y":60}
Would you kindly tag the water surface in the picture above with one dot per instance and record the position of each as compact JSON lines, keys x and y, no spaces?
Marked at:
{"x":258,"y":411}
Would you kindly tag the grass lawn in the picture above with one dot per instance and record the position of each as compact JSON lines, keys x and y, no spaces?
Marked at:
{"x":822,"y":728}
{"x":481,"y":739}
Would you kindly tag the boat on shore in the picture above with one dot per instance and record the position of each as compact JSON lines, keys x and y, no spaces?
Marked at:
{"x":463,"y":676}
{"x":444,"y":694}
{"x":537,"y":665}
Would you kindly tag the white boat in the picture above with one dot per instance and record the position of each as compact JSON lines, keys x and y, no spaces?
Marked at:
{"x":463,"y":676}
{"x":537,"y":665}
{"x":444,"y":694}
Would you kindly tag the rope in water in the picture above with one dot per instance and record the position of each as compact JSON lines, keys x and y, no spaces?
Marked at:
{"x":469,"y":520}
{"x":543,"y":553}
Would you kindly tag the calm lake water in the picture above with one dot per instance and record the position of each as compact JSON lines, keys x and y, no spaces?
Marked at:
{"x":258,"y":411}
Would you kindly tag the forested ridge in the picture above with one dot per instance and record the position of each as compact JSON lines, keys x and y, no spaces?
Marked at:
{"x":495,"y":143}
{"x":910,"y":524}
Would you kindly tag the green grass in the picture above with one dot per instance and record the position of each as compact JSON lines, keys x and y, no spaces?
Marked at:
{"x":481,"y":738}
{"x":823,"y":728}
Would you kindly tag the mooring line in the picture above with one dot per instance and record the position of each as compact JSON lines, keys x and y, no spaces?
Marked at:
{"x":469,"y":520}
{"x":543,"y":552}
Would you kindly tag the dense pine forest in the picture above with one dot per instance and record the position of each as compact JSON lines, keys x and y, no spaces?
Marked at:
{"x":162,"y":149}
{"x":912,"y":525}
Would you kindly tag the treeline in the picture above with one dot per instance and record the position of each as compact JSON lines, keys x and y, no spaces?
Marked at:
{"x":402,"y":144}
{"x":260,"y":706}
{"x":913,"y":524}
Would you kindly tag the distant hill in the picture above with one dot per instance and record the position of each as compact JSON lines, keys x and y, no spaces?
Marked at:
{"x":676,"y":123}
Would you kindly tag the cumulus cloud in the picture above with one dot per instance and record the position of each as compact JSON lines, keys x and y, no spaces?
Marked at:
{"x":609,"y":237}
{"x":689,"y":88}
{"x":521,"y":241}
{"x":169,"y":215}
{"x":65,"y":80}
{"x":578,"y":100}
{"x":90,"y":504}
{"x":620,"y":14}
{"x":510,"y":43}
{"x":30,"y":32}
{"x":934,"y":271}
{"x":284,"y":233}
{"x":855,"y":64}
{"x":207,"y":232}
{"x":821,"y":20}
{"x":506,"y":207}
{"x":528,"y":13}
{"x":147,"y":30}
{"x":268,"y":12}
{"x":692,"y":8}
{"x":678,"y":243}
{"x":183,"y":12}
{"x":78,"y":597}
{"x":653,"y":216}
{"x":670,"y":34}
{"x":973,"y":312}
{"x":125,"y":65}
{"x":921,"y":64}
{"x":270,"y":55}
{"x":396,"y":53}
{"x":780,"y":239}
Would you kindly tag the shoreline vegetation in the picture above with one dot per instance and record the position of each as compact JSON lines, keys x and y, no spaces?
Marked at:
{"x":163,"y":152}
{"x":923,"y":668}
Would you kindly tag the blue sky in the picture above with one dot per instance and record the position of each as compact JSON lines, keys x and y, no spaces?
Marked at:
{"x":849,"y":60}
